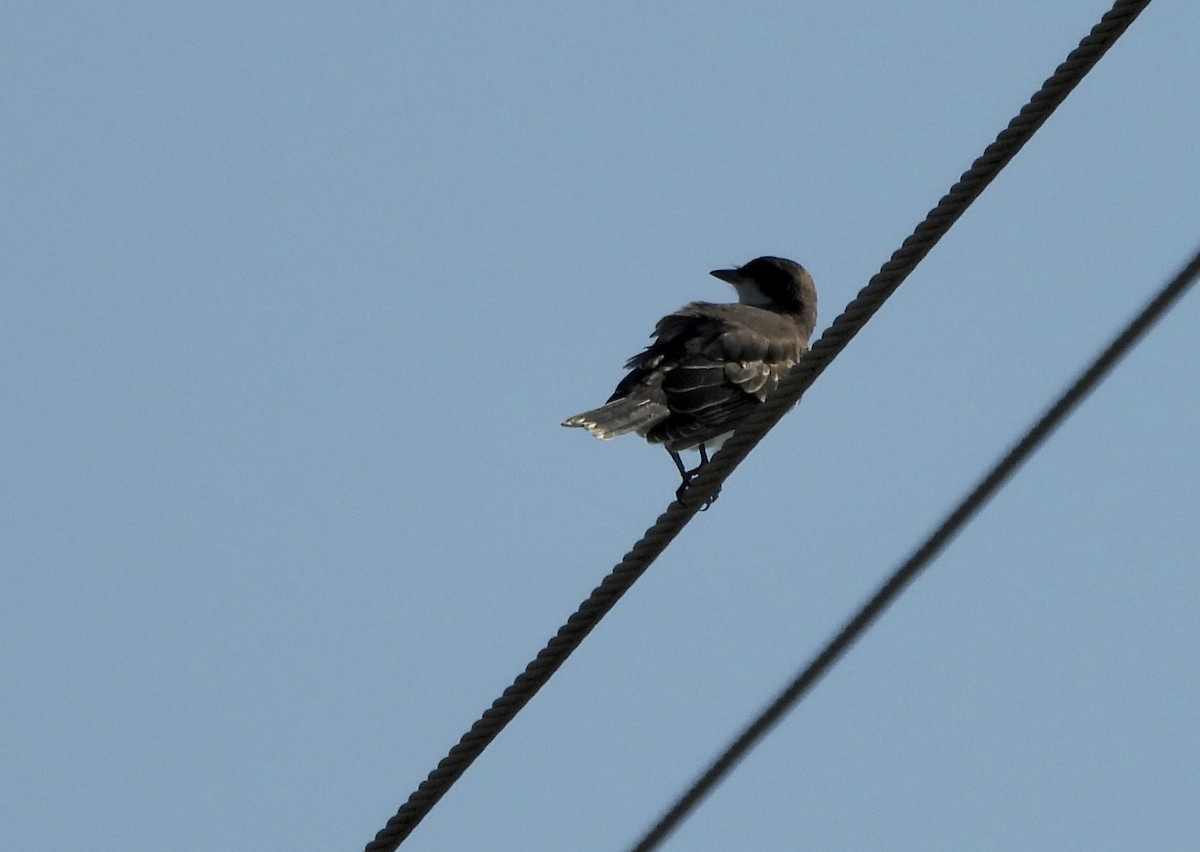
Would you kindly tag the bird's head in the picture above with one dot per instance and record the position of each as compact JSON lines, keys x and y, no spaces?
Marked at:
{"x":777,"y":284}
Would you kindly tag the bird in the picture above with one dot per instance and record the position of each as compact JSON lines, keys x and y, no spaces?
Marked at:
{"x":710,"y":365}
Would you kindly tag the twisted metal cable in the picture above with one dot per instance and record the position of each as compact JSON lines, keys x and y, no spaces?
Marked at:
{"x":669,"y":524}
{"x":925,"y":554}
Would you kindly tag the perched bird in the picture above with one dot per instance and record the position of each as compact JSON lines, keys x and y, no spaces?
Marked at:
{"x":710,"y":365}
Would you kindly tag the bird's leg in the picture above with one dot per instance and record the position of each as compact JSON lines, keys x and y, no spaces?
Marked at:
{"x":703,"y":461}
{"x":686,"y":475}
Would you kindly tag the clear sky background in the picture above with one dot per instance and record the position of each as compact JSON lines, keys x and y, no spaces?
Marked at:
{"x":296,"y":296}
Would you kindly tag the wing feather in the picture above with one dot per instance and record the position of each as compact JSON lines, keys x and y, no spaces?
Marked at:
{"x":710,"y":365}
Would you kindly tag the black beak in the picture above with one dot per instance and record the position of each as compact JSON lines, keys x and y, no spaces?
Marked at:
{"x":729,"y":276}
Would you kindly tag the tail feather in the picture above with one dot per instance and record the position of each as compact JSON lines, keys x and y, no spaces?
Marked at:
{"x":620,"y":416}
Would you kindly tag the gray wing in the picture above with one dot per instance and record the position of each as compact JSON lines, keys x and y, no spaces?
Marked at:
{"x":715,"y":364}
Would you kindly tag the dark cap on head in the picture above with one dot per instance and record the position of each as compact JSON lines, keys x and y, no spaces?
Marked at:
{"x":777,"y":284}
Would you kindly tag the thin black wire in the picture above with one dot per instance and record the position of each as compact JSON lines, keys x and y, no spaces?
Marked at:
{"x":925,"y":554}
{"x":605,"y":596}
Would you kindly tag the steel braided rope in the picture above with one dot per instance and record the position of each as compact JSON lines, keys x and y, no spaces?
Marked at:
{"x":920,"y":559}
{"x":669,"y":524}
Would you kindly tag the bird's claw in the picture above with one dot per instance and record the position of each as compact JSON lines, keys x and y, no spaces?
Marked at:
{"x":681,"y":493}
{"x":689,"y":475}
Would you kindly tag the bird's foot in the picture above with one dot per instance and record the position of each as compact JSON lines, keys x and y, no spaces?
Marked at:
{"x":688,"y":475}
{"x":682,"y":490}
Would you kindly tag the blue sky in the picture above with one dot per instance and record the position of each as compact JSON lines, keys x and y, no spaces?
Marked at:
{"x":297,"y":296}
